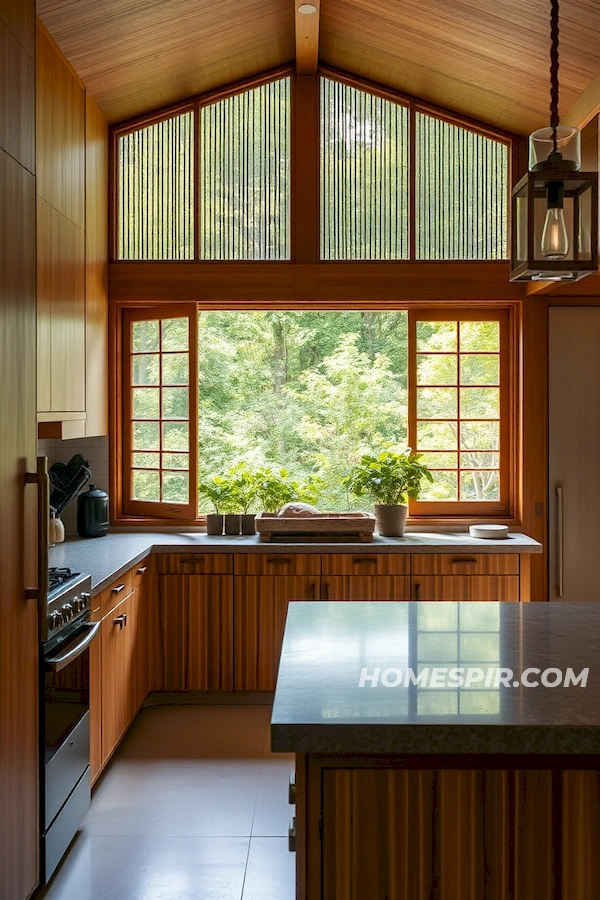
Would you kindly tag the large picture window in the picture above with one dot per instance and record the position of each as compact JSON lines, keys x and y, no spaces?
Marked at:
{"x":311,"y":392}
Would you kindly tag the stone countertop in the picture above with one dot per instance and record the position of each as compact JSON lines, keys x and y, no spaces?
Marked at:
{"x":321,"y":708}
{"x":108,"y":557}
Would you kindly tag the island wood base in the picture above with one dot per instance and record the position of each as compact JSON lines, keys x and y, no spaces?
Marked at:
{"x":447,"y":828}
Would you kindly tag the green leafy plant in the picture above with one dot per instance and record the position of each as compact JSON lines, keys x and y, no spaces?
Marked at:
{"x":275,"y":489}
{"x":218,"y":491}
{"x":390,"y":479}
{"x":243,"y":488}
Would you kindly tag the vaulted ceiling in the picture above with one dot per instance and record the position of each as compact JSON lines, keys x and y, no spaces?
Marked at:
{"x":484,"y":58}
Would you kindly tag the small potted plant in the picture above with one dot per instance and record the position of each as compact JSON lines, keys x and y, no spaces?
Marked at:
{"x":244,"y":489}
{"x":390,"y":479}
{"x":217,"y":490}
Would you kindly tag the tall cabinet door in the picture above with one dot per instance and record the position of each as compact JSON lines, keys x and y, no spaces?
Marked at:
{"x":574,"y":452}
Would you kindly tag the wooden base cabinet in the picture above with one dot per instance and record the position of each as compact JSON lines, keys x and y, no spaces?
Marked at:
{"x":196,"y":632}
{"x":465,"y":587}
{"x":381,"y":828}
{"x":260,"y":609}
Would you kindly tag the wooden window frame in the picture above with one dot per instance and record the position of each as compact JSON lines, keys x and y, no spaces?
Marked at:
{"x":504,"y":508}
{"x":429,"y":513}
{"x":145,"y":510}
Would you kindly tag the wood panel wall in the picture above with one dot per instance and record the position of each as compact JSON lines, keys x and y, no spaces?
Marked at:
{"x":18,"y":634}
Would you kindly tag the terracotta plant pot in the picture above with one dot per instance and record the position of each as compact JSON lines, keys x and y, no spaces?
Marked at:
{"x":390,"y":520}
{"x":214,"y":523}
{"x":248,"y":526}
{"x":232,"y":523}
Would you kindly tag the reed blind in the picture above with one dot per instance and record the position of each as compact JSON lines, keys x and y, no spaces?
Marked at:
{"x":245,"y":175}
{"x":156,"y":191}
{"x":461,"y":192}
{"x":364,"y":175}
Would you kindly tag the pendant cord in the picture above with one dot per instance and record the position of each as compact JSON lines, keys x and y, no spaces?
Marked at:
{"x":554,"y":70}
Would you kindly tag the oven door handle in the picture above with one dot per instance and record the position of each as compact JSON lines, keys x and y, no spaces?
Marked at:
{"x":56,"y":663}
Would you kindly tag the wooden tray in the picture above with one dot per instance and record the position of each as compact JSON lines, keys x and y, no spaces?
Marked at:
{"x":338,"y":527}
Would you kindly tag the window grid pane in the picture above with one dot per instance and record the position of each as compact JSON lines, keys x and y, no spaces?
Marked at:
{"x":156,"y":191}
{"x":473,"y":473}
{"x":159,"y":475}
{"x":245,"y":167}
{"x":364,"y":175}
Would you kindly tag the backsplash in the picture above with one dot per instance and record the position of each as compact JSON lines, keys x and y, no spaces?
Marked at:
{"x":95,"y":450}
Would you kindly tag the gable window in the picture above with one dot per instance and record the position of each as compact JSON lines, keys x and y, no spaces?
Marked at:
{"x":311,"y":392}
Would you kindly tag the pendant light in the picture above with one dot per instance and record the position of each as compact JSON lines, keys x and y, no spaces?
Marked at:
{"x":554,"y":206}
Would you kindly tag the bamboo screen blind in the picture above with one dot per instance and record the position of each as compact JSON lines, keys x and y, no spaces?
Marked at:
{"x":461,"y":192}
{"x":364,"y":175}
{"x":156,"y":191}
{"x":245,"y":175}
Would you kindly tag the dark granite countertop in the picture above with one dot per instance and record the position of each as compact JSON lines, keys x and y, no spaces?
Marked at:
{"x":108,"y":557}
{"x":320,"y":707}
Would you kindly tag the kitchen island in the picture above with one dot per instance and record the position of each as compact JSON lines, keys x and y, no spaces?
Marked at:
{"x":413,"y":786}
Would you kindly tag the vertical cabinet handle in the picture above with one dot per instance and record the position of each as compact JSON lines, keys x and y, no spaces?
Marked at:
{"x":416,"y":591}
{"x":312,"y":590}
{"x":40,"y":478}
{"x":325,"y":590}
{"x":292,"y":836}
{"x":560,"y":512}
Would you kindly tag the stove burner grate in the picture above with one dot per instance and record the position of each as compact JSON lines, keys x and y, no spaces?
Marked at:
{"x":57,"y":576}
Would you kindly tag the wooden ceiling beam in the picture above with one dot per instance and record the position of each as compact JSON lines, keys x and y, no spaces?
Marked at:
{"x":307,"y":16}
{"x":585,"y":107}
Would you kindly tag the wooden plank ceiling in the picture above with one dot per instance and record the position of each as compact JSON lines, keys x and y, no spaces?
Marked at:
{"x":484,"y":58}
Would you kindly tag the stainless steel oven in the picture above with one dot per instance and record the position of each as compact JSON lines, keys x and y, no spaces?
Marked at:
{"x":65,"y":717}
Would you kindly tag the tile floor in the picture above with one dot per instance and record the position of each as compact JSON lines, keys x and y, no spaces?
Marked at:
{"x":192,"y":807}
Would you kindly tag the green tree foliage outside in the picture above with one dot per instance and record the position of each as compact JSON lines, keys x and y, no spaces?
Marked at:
{"x":308,"y":391}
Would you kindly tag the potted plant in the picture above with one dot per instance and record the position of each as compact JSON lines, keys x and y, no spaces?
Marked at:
{"x":217,"y":490}
{"x":390,"y":479}
{"x":244,"y":489}
{"x":275,"y":489}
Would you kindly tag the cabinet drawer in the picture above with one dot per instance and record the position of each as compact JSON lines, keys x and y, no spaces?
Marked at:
{"x":194,"y":563}
{"x":278,"y":564}
{"x":466,"y":587}
{"x":465,"y":563}
{"x":365,"y":564}
{"x":115,"y":593}
{"x":140,"y":573}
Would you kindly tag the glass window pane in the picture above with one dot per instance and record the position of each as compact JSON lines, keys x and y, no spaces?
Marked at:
{"x":480,"y":616}
{"x":479,"y":647}
{"x":144,"y":337}
{"x":175,"y":487}
{"x":438,"y":369}
{"x":175,"y":403}
{"x":145,"y":369}
{"x":146,"y":436}
{"x":175,"y":334}
{"x":479,"y":436}
{"x":364,"y":175}
{"x":437,"y":617}
{"x":437,"y":703}
{"x":483,"y":485}
{"x":444,"y":487}
{"x":156,"y":192}
{"x":437,"y":436}
{"x":145,"y":403}
{"x":480,"y":403}
{"x":175,"y":461}
{"x":146,"y":485}
{"x":437,"y":336}
{"x":440,"y":460}
{"x":482,"y":369}
{"x":146,"y":460}
{"x":245,"y":166}
{"x":437,"y":403}
{"x":479,"y":460}
{"x":479,"y":337}
{"x":176,"y":436}
{"x":431,"y":646}
{"x":175,"y":368}
{"x":480,"y":703}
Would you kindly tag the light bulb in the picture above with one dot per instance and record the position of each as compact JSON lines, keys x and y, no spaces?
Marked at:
{"x":555,"y":240}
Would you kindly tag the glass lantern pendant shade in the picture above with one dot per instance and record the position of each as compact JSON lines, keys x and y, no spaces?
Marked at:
{"x":554,"y":206}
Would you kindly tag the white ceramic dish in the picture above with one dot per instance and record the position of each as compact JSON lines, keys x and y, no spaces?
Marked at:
{"x":491,"y":532}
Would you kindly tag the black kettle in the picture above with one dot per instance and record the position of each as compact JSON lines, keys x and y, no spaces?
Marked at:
{"x":92,"y":513}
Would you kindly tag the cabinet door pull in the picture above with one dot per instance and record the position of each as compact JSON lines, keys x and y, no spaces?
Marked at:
{"x":117,"y":589}
{"x":141,"y":570}
{"x":416,"y":591}
{"x":463,"y":560}
{"x":279,"y":561}
{"x":292,"y":836}
{"x":560,"y":513}
{"x":292,"y":789}
{"x":120,"y":620}
{"x":312,"y":590}
{"x":196,"y":560}
{"x":364,"y":561}
{"x":325,"y":590}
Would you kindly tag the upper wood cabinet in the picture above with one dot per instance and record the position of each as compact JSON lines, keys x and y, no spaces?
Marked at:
{"x":72,"y":240}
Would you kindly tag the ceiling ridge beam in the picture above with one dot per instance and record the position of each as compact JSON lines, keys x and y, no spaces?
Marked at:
{"x":307,"y":16}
